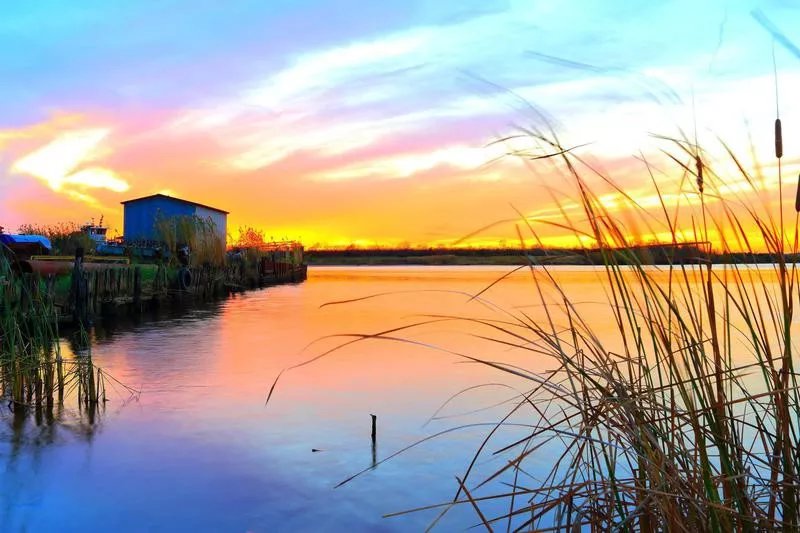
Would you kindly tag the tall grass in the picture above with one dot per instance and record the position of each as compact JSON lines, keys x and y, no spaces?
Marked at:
{"x":686,"y":416}
{"x":66,"y":237}
{"x":688,"y":419}
{"x":33,"y":372}
{"x":199,"y":234}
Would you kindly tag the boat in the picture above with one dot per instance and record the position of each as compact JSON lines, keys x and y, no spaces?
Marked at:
{"x":96,"y":232}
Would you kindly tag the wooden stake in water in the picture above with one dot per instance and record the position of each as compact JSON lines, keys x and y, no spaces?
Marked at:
{"x":374,"y":440}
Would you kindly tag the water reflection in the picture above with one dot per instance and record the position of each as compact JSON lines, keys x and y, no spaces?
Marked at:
{"x":200,"y":431}
{"x":31,"y":428}
{"x":198,"y":451}
{"x":27,"y":438}
{"x":107,"y":329}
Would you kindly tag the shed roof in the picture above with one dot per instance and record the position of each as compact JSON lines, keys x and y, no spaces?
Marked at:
{"x":8,"y":239}
{"x":181,"y":200}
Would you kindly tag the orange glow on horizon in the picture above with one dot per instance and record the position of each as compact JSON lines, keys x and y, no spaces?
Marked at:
{"x":439,"y":199}
{"x":442,"y":129}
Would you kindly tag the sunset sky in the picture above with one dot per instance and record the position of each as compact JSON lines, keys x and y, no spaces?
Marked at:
{"x":344,"y":121}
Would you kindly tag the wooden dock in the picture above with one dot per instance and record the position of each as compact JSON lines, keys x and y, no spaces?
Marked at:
{"x":86,"y":295}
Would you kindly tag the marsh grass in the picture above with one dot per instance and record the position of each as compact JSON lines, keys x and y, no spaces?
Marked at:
{"x":685,"y":417}
{"x":33,"y":372}
{"x":200,"y":234}
{"x":688,"y":420}
{"x":66,"y":237}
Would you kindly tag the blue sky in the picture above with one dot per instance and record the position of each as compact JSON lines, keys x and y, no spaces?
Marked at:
{"x":363,"y":113}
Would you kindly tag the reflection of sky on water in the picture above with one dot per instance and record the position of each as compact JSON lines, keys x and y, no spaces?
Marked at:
{"x":199,"y":451}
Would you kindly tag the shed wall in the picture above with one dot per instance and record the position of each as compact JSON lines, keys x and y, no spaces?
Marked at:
{"x":140,"y":216}
{"x":220,"y":220}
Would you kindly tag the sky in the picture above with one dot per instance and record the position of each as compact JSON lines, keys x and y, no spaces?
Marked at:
{"x":345,"y":122}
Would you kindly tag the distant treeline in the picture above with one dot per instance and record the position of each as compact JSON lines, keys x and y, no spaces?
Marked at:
{"x":647,"y":254}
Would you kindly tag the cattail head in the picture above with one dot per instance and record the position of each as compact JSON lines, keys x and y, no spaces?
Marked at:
{"x":699,"y":164}
{"x":778,"y":139}
{"x":797,"y":197}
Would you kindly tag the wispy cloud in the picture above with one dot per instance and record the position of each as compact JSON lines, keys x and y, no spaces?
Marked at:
{"x":57,"y":164}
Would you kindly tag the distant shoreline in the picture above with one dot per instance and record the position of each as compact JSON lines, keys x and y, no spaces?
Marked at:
{"x":654,"y":255}
{"x":428,"y":260}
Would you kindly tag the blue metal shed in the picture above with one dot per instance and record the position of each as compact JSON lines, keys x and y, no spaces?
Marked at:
{"x":140,"y":215}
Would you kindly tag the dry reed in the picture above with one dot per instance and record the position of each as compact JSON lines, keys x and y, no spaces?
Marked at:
{"x":33,"y":372}
{"x":686,"y":417}
{"x":200,"y":234}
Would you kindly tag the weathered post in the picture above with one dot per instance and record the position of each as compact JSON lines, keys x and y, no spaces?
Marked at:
{"x":78,"y":289}
{"x":96,"y":286}
{"x":31,"y":290}
{"x":157,"y":280}
{"x":374,"y":441}
{"x":50,"y":282}
{"x":137,"y":289}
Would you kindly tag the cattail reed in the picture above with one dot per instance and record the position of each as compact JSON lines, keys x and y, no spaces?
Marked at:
{"x":797,"y":196}
{"x":699,"y":164}
{"x":778,"y":139}
{"x":691,"y":424}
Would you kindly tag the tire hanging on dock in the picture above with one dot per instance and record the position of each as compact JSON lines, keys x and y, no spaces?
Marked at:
{"x":184,"y":279}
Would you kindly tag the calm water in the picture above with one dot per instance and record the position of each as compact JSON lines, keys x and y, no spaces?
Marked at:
{"x":199,"y":450}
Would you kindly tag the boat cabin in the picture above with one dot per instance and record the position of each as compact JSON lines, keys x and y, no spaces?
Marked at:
{"x":96,"y":232}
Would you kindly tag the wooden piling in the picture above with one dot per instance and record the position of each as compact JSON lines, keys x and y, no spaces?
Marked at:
{"x":137,"y":288}
{"x":79,"y":293}
{"x":374,"y":441}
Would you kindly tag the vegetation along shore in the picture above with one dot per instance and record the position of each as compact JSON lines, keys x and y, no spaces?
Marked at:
{"x":685,"y":416}
{"x":656,"y":254}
